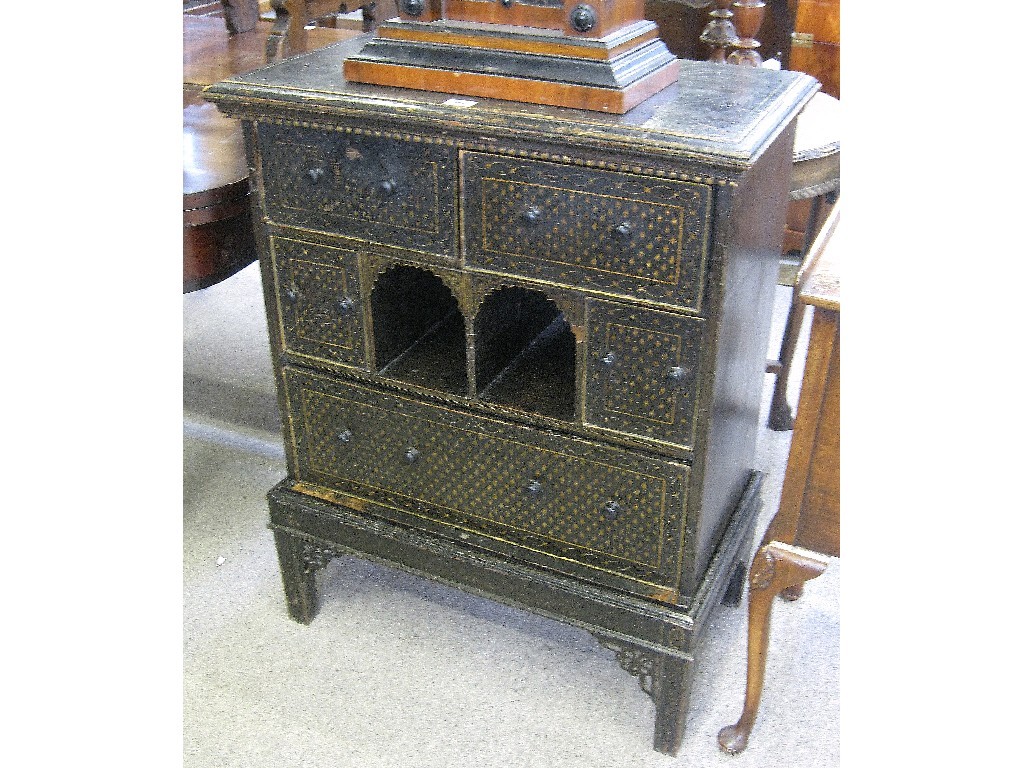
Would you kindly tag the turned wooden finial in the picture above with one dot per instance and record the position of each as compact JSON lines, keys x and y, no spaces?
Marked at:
{"x":720,"y":33}
{"x":749,"y":15}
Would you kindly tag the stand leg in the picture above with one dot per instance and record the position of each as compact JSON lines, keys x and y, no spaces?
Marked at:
{"x":672,"y":682}
{"x":298,"y":575}
{"x":776,"y":567}
{"x":666,"y":679}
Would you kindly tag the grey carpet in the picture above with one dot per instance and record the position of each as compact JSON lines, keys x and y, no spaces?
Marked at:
{"x":397,"y":671}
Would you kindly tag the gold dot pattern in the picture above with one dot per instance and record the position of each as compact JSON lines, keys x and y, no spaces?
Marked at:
{"x":558,"y":502}
{"x":616,"y":232}
{"x":633,"y":356}
{"x":320,"y":301}
{"x":360,"y":186}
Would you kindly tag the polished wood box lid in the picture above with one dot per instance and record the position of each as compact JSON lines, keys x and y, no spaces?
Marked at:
{"x":724,"y":115}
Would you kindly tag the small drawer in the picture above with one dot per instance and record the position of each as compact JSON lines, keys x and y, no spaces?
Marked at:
{"x":579,"y":506}
{"x":621,"y":233}
{"x":388,"y":191}
{"x":317,"y":291}
{"x":643,"y":373}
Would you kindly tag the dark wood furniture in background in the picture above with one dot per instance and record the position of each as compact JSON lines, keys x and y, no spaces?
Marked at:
{"x":806,"y":527}
{"x":681,"y":23}
{"x":520,"y":348}
{"x":217,"y":224}
{"x":815,"y":44}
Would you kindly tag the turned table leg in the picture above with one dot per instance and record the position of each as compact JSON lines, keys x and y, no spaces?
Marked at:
{"x":776,"y":567}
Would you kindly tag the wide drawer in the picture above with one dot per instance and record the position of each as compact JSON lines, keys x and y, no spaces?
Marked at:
{"x":390,"y":191}
{"x":566,"y":503}
{"x":621,"y":233}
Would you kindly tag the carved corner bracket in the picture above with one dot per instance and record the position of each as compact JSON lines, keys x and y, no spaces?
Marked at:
{"x":638,"y":662}
{"x":315,"y":556}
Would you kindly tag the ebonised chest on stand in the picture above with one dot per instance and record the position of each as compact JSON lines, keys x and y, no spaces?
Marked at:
{"x":520,"y":349}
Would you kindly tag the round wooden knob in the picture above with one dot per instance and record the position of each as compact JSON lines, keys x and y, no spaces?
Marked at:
{"x":583,"y":17}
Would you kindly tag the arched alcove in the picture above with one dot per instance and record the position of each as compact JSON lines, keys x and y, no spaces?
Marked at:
{"x":525,"y":353}
{"x":419,"y":333}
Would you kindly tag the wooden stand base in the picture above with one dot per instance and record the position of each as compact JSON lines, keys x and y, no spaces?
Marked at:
{"x":653,"y":641}
{"x":608,"y":74}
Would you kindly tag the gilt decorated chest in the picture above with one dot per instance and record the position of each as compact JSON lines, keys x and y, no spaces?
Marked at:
{"x":520,"y":348}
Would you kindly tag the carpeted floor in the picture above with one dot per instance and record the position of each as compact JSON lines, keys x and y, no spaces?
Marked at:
{"x":400,"y":672}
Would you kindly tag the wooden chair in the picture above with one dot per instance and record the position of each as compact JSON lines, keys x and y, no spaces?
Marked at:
{"x":806,"y":527}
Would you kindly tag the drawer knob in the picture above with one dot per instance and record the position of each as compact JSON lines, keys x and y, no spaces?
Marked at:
{"x":345,"y":436}
{"x":611,"y":510}
{"x":388,"y":187}
{"x":413,"y":7}
{"x":532,"y":215}
{"x":506,"y":3}
{"x":609,"y":359}
{"x":624,"y":230}
{"x":677,"y":374}
{"x":345,"y":305}
{"x":291,"y":294}
{"x":314,"y":175}
{"x":411,"y":455}
{"x":534,"y":488}
{"x":583,"y":18}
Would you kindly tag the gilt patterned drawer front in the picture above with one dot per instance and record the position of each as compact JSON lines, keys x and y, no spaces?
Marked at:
{"x":586,"y":504}
{"x":321,"y":309}
{"x":621,"y":233}
{"x":388,"y":191}
{"x":643,"y":371}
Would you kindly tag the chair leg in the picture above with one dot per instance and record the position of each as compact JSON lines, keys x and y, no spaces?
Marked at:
{"x":780,"y":416}
{"x":776,"y":567}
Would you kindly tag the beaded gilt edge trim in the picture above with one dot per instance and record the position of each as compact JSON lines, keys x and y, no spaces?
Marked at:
{"x":499,"y":150}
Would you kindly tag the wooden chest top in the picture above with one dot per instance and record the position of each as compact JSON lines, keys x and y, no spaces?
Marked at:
{"x":724,"y":116}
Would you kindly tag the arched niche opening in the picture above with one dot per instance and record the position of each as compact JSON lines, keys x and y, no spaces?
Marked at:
{"x":419,"y":333}
{"x":525,"y":353}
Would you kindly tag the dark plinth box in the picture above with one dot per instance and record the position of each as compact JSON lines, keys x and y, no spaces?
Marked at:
{"x":519,"y":347}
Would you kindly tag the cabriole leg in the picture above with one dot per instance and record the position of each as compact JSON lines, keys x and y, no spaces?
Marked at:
{"x":776,"y":567}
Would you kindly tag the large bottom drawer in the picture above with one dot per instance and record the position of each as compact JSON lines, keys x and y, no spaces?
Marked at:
{"x":611,"y":515}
